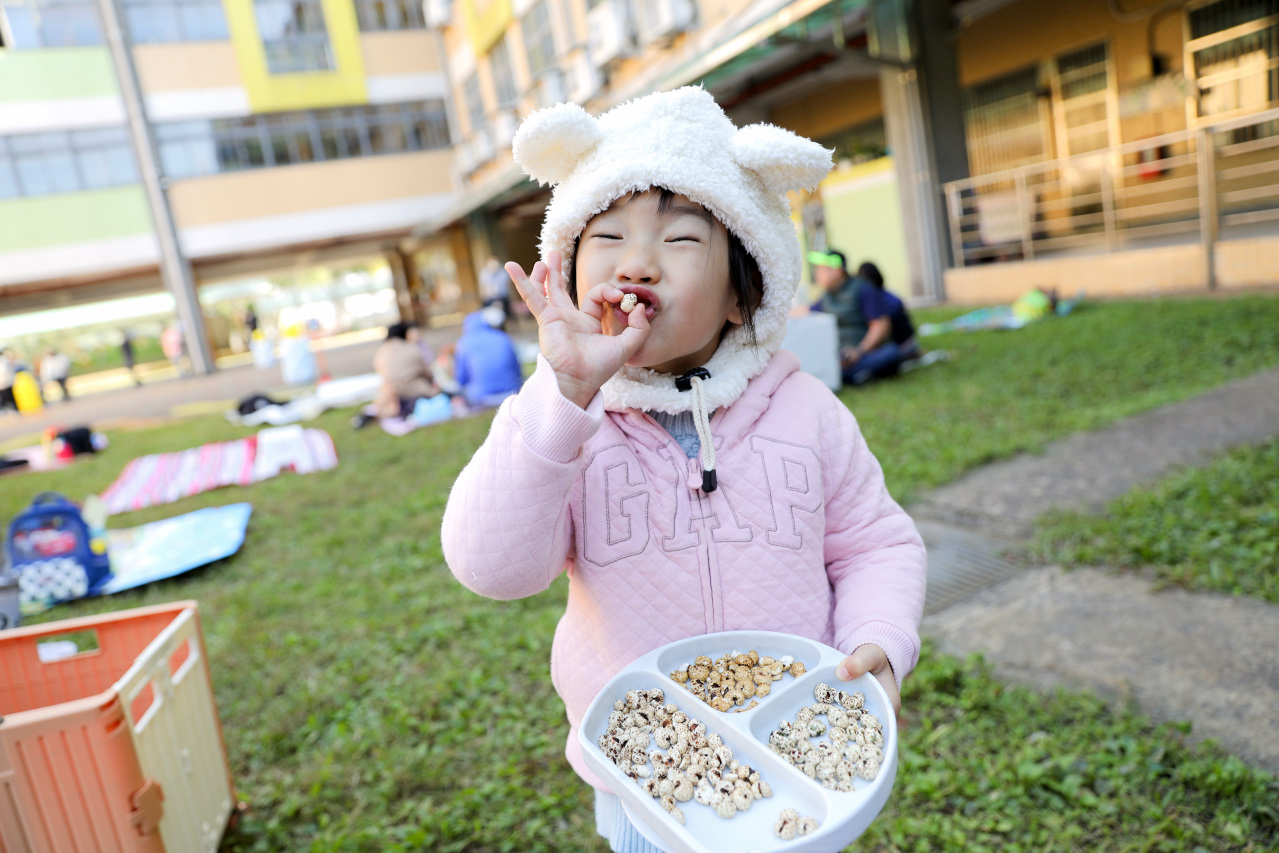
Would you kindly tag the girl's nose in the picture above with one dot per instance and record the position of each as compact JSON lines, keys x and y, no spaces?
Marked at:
{"x":638,"y":266}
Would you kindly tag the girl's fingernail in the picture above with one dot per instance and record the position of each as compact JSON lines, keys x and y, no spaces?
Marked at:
{"x":841,"y":672}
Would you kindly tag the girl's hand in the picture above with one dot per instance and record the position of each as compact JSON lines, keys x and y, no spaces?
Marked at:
{"x":871,"y":658}
{"x":579,"y":343}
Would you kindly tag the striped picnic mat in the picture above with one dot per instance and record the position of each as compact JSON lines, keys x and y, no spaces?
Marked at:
{"x":163,"y":478}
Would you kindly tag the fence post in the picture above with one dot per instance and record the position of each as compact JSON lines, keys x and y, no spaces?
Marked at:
{"x":1108,"y":203}
{"x":1026,"y":213}
{"x":954,"y":212}
{"x":1207,"y":169}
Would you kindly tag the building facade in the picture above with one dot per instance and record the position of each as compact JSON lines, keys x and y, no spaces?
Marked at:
{"x":287,"y":132}
{"x":983,"y":147}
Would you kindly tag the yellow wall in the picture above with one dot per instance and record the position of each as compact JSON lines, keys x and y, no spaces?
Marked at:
{"x":1030,"y":31}
{"x":1141,"y":272}
{"x":1238,"y":264}
{"x":188,"y":65}
{"x":401,"y":52}
{"x":486,"y":20}
{"x":833,"y":109}
{"x":275,"y":92}
{"x":312,"y":186}
{"x":1247,"y":263}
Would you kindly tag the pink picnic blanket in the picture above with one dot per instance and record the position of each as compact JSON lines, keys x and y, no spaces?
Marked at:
{"x":166,"y":477}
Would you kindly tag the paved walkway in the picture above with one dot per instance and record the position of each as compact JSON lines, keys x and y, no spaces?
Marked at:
{"x":110,"y":398}
{"x":1207,"y":658}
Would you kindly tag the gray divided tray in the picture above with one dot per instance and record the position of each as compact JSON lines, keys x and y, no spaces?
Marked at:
{"x":842,"y":815}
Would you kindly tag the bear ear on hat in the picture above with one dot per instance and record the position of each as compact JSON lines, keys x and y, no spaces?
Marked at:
{"x":552,"y":142}
{"x":783,"y":161}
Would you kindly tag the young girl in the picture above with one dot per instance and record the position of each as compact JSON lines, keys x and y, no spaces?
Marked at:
{"x":682,"y":470}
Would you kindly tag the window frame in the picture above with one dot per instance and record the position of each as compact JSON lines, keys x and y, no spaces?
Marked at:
{"x":308,"y":49}
{"x":81,"y":152}
{"x":300,"y":137}
{"x":537,"y":39}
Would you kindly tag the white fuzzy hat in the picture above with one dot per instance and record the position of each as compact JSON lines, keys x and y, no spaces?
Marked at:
{"x":681,"y":141}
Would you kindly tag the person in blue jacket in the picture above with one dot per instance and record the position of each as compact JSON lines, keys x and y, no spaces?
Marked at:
{"x":485,"y":363}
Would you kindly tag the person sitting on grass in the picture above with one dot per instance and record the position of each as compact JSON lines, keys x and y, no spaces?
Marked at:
{"x":485,"y":363}
{"x":406,"y":377}
{"x":875,"y":331}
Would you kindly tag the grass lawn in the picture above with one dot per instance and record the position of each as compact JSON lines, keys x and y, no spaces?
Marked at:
{"x":1215,"y":527}
{"x":370,"y":703}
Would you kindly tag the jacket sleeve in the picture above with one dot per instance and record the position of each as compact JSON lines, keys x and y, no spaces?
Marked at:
{"x":507,"y":529}
{"x":875,"y":558}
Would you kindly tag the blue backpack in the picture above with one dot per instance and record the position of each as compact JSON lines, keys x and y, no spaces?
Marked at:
{"x":54,"y":553}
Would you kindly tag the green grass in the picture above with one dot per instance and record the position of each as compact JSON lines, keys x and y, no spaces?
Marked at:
{"x":371,"y":703}
{"x":1008,"y":392}
{"x":1212,"y":528}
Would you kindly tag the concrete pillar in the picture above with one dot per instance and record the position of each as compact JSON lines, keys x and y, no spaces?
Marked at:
{"x":924,"y":124}
{"x":408,"y":287}
{"x":175,"y":268}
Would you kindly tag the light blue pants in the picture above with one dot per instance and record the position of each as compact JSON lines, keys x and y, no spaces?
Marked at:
{"x":615,"y":827}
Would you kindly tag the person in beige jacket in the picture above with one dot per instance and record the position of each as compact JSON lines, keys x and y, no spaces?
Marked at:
{"x":406,"y":376}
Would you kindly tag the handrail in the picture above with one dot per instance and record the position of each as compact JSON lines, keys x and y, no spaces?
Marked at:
{"x":1125,"y":148}
{"x":1105,"y":199}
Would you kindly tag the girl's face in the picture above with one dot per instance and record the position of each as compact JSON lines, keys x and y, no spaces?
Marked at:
{"x":676,"y":262}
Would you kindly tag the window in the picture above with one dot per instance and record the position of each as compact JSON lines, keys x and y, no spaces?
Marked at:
{"x":859,"y":143}
{"x":1081,"y":89}
{"x":192,"y":148}
{"x":51,"y":23}
{"x":186,"y":148}
{"x":539,"y":41}
{"x":503,"y":76}
{"x":1005,"y":122}
{"x":152,"y":21}
{"x":474,"y":102}
{"x":1233,"y":54}
{"x":36,"y":164}
{"x":374,"y":15}
{"x":294,"y":35}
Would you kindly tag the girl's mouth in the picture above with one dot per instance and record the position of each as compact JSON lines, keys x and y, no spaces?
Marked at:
{"x":647,"y":300}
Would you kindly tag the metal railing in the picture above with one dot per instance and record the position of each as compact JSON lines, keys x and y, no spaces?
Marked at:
{"x":1221,"y":174}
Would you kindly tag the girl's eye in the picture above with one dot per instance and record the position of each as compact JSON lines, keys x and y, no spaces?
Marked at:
{"x":607,"y":236}
{"x":688,"y":237}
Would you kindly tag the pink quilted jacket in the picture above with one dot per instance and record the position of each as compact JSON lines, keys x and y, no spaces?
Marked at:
{"x":800,"y":537}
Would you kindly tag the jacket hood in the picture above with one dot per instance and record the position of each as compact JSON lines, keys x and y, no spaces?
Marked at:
{"x":475,"y":322}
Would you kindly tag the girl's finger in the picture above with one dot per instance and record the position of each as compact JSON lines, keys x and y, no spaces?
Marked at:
{"x":538,"y":276}
{"x":530,"y":290}
{"x":600,"y":299}
{"x":634,"y":334}
{"x":556,"y":289}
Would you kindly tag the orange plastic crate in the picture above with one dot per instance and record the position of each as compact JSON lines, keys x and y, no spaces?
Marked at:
{"x":113,"y":750}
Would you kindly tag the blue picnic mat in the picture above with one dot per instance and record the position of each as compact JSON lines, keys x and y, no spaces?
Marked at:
{"x":162,"y":549}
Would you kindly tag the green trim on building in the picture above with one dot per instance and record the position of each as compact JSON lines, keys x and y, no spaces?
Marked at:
{"x":56,"y":73}
{"x":55,"y":220}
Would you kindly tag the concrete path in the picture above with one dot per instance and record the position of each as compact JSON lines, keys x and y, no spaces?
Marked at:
{"x":1210,"y":659}
{"x":113,"y":399}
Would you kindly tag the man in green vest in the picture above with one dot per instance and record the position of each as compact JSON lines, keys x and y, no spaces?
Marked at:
{"x":875,"y":332}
